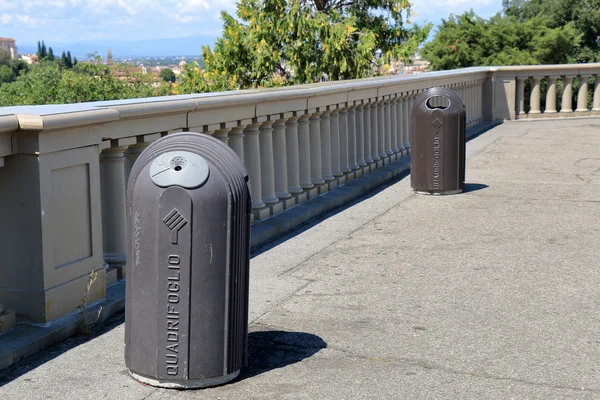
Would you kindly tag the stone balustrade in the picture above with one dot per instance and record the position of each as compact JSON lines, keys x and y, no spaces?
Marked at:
{"x":64,"y":168}
{"x":552,"y":91}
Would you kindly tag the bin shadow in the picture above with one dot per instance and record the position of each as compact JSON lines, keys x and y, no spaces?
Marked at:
{"x":269,"y":350}
{"x":473,"y":187}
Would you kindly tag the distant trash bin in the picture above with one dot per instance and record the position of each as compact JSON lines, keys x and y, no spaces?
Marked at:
{"x":188,"y":214}
{"x":438,"y":143}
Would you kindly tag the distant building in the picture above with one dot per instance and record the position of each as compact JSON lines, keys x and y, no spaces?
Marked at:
{"x":29,"y":58}
{"x":109,"y":58}
{"x":9,"y":45}
{"x":182,"y":63}
{"x":416,"y":66}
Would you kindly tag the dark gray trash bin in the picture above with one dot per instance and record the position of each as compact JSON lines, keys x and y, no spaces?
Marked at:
{"x":186,"y":314}
{"x":438,"y":143}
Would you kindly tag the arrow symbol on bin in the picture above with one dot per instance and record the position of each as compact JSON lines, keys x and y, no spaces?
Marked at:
{"x":174,"y":221}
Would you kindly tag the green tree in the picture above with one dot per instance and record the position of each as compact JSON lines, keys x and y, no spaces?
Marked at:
{"x":168,"y":75}
{"x":70,"y":62}
{"x":94,"y":58}
{"x":50,"y":54}
{"x":47,"y":83}
{"x":468,"y":40}
{"x":6,"y":74}
{"x":74,"y":59}
{"x":283,"y":42}
{"x":39,"y":50}
{"x":583,"y":14}
{"x":43,"y":52}
{"x":10,"y":69}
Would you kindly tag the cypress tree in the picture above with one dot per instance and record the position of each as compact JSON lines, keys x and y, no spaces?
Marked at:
{"x":39,"y":50}
{"x":50,"y":54}
{"x":43,"y":51}
{"x":75,"y":61}
{"x":63,"y":60}
{"x":70,"y":62}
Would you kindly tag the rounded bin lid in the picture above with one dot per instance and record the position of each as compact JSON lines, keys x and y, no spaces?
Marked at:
{"x":179,"y":168}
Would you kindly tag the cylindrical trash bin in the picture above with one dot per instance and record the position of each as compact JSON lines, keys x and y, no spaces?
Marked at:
{"x":188,"y":215}
{"x":438,"y":143}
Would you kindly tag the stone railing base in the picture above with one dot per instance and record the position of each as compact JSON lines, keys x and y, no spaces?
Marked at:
{"x":7,"y":320}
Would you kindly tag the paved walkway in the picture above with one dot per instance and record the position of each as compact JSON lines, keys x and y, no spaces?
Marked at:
{"x":491,"y":294}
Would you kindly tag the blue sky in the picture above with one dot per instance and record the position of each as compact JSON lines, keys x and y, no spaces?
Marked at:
{"x":73,"y":21}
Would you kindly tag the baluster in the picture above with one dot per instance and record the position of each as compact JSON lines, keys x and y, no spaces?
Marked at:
{"x":481,"y":117}
{"x":381,"y":131}
{"x":387,"y":114}
{"x":366,"y":118}
{"x":291,"y":148}
{"x":475,"y":113}
{"x":252,"y":162}
{"x":236,"y":141}
{"x":478,"y":88}
{"x":476,"y":103}
{"x":346,"y":141}
{"x":336,"y":147}
{"x":411,"y":103}
{"x":222,"y":135}
{"x":400,"y":121}
{"x":325,"y":128}
{"x":596,"y":106}
{"x":582,"y":95}
{"x":113,"y":186}
{"x":304,"y":152}
{"x":468,"y":102}
{"x":394,"y":131}
{"x":406,"y":121}
{"x":375,"y":133}
{"x":473,"y":103}
{"x":316,"y":173}
{"x":474,"y":86}
{"x":534,"y":99}
{"x":551,"y":96}
{"x":461,"y":92}
{"x":567,"y":96}
{"x":131,"y":155}
{"x":266,"y":165}
{"x":359,"y":136}
{"x":520,"y":97}
{"x":280,"y":162}
{"x":354,"y":132}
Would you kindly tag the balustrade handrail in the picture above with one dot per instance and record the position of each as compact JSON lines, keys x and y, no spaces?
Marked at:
{"x":190,"y":102}
{"x":548,"y":70}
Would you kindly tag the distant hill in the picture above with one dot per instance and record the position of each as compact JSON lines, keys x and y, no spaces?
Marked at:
{"x":186,"y":46}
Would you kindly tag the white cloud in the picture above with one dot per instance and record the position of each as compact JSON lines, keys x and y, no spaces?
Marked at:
{"x":18,"y":19}
{"x":470,"y":3}
{"x":81,"y":20}
{"x":7,"y":5}
{"x":435,"y":10}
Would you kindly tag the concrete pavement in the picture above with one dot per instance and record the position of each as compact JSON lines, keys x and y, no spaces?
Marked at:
{"x":491,"y":294}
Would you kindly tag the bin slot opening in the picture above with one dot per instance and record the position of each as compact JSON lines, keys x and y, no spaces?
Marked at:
{"x":438,"y":102}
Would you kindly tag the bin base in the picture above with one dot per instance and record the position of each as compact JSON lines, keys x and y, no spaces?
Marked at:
{"x":444,"y":193}
{"x":186,"y":384}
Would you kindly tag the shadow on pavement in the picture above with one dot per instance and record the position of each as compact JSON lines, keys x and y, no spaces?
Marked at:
{"x":473,"y":187}
{"x":269,"y":350}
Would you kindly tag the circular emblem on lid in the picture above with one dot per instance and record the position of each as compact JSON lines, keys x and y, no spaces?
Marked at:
{"x":179,"y":168}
